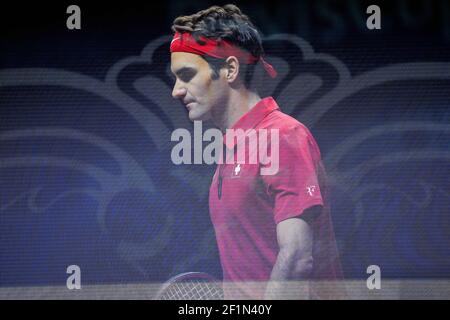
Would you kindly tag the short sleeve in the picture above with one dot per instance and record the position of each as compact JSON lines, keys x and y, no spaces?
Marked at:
{"x":295,"y":187}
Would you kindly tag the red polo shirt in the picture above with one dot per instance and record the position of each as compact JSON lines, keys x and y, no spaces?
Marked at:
{"x":246,"y":206}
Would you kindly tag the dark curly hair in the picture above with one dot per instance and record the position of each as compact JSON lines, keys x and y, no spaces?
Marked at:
{"x":228,"y":23}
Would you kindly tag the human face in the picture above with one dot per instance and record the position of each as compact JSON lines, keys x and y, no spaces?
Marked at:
{"x":194,"y":86}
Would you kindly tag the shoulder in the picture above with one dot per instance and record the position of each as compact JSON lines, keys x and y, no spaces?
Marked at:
{"x":292,"y":133}
{"x":286,"y":125}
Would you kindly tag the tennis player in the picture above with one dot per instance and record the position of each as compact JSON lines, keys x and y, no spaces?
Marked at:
{"x":270,"y":229}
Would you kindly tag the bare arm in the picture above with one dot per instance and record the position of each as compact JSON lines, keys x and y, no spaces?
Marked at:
{"x":294,"y":260}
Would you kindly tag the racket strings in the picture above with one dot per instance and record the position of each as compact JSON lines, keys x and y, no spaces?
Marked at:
{"x":192,"y":290}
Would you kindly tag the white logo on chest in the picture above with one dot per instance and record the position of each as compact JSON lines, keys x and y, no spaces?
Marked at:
{"x":237,"y":169}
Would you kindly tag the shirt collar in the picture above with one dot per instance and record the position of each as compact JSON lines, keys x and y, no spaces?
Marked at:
{"x":252,"y":118}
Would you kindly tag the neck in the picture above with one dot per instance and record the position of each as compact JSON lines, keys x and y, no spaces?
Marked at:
{"x":239,"y":103}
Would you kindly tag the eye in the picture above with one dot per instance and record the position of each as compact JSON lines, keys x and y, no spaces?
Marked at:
{"x":186,"y":75}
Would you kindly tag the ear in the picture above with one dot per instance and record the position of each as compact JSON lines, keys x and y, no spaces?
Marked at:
{"x":232,"y":69}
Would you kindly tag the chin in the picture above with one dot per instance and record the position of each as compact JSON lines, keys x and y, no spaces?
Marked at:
{"x":195,"y":116}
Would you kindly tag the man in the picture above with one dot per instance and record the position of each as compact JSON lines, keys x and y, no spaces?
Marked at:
{"x":269,"y":228}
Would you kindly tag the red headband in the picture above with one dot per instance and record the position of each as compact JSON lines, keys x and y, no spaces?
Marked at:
{"x":185,"y":42}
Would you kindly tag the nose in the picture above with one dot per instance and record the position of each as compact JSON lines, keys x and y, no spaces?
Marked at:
{"x":178,"y":91}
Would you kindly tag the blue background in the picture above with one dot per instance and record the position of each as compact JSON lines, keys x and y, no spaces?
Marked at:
{"x":85,"y":120}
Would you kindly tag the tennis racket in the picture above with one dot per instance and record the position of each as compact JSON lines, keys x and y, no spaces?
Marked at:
{"x":191,"y":286}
